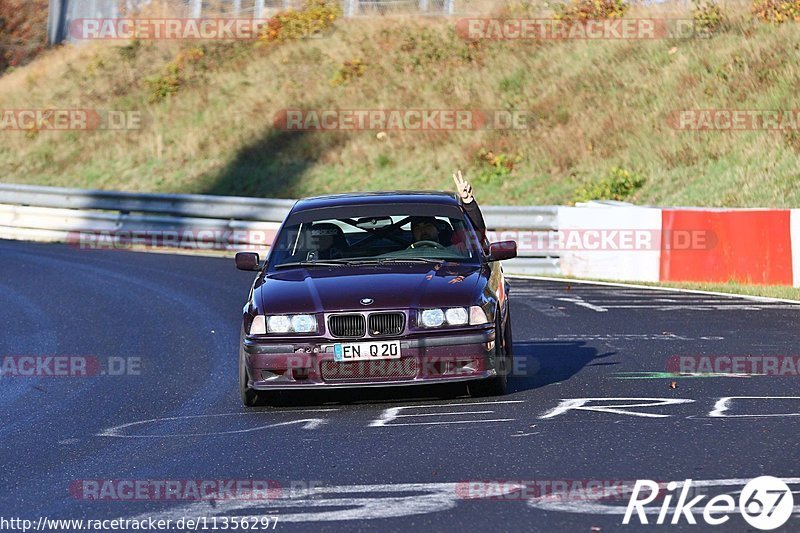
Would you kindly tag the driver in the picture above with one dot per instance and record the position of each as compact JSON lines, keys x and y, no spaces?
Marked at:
{"x":424,"y":229}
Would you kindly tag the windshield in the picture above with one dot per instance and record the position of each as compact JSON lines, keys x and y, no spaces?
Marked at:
{"x":402,"y":233}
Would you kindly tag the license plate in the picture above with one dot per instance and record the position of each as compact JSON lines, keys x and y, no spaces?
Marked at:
{"x":366,"y":351}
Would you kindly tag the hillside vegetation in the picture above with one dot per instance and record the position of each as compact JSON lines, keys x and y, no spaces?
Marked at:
{"x":23,"y":31}
{"x":601,"y":113}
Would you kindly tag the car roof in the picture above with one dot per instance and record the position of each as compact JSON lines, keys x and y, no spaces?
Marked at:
{"x":374,"y":198}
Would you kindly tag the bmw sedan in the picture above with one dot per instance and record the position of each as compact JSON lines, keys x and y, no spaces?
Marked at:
{"x":376,"y":290}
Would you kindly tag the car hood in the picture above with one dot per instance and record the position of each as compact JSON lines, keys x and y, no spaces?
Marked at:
{"x":398,"y":286}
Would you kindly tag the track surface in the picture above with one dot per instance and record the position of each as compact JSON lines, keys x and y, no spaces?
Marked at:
{"x":180,"y":316}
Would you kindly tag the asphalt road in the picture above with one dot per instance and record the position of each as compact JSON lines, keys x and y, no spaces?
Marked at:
{"x":164,"y":406}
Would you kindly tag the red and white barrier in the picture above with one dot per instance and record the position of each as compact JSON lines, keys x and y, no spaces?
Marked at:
{"x":756,"y":246}
{"x":795,"y":231}
{"x":590,"y":248}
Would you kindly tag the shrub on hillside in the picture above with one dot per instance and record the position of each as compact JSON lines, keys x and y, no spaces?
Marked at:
{"x":426,"y":49}
{"x":316,"y":17}
{"x":618,"y":184}
{"x":170,"y":82}
{"x":495,"y":167}
{"x":350,"y":70}
{"x":579,"y":10}
{"x":708,"y":16}
{"x":23,"y":31}
{"x":777,"y":11}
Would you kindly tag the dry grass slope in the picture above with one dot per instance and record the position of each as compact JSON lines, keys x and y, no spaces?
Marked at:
{"x":601,"y":107}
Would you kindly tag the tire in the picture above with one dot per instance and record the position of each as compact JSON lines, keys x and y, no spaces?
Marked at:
{"x":496,"y":386}
{"x":248,"y":394}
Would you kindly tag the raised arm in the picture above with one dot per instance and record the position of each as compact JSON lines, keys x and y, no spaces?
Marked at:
{"x":470,"y":205}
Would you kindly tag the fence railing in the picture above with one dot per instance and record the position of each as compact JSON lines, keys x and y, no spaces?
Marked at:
{"x":78,"y":217}
{"x":63,"y":12}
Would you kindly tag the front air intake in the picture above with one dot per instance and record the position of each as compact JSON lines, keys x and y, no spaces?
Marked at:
{"x":385,"y":324}
{"x":349,"y":326}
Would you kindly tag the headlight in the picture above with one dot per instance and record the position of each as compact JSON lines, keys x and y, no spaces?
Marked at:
{"x":283,"y":324}
{"x":457,"y":316}
{"x":304,"y":323}
{"x":453,"y":316}
{"x":432,"y":318}
{"x":259,"y":326}
{"x":477,"y":316}
{"x":279,"y":324}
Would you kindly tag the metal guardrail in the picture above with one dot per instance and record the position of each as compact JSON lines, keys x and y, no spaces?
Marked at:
{"x":538,"y":218}
{"x":182,"y":205}
{"x":54,"y":214}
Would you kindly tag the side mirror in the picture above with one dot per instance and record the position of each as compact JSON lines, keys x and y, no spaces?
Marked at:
{"x":499,"y":251}
{"x":248,"y":261}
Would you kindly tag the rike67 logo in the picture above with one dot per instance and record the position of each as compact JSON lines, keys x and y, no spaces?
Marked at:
{"x":765,"y":502}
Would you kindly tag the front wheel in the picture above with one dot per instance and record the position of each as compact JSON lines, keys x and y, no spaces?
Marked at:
{"x":498,"y":385}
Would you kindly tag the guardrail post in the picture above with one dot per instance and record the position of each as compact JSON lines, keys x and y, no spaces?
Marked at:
{"x":258,"y":9}
{"x":351,"y":8}
{"x":449,"y":7}
{"x":237,"y":7}
{"x":55,"y":22}
{"x":197,"y":9}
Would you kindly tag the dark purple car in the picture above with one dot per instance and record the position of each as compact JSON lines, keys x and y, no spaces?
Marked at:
{"x":377,"y":289}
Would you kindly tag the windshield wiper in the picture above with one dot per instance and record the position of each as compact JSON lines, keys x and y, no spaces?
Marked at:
{"x":426,"y":260}
{"x":365,"y":261}
{"x":321,"y":263}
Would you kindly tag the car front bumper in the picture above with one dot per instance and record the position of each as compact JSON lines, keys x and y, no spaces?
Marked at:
{"x":306,"y":364}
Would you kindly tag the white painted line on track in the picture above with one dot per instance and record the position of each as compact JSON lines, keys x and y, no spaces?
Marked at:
{"x":381,"y":501}
{"x":393,"y":413}
{"x":649,"y":288}
{"x":308,"y":423}
{"x":479,"y":421}
{"x":580,"y":302}
{"x":723,"y":405}
{"x":440,"y":414}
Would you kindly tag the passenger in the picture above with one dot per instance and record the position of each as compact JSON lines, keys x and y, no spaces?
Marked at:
{"x":471,"y":206}
{"x":326,"y":241}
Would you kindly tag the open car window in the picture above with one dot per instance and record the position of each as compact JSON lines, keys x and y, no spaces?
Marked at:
{"x":384,"y":235}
